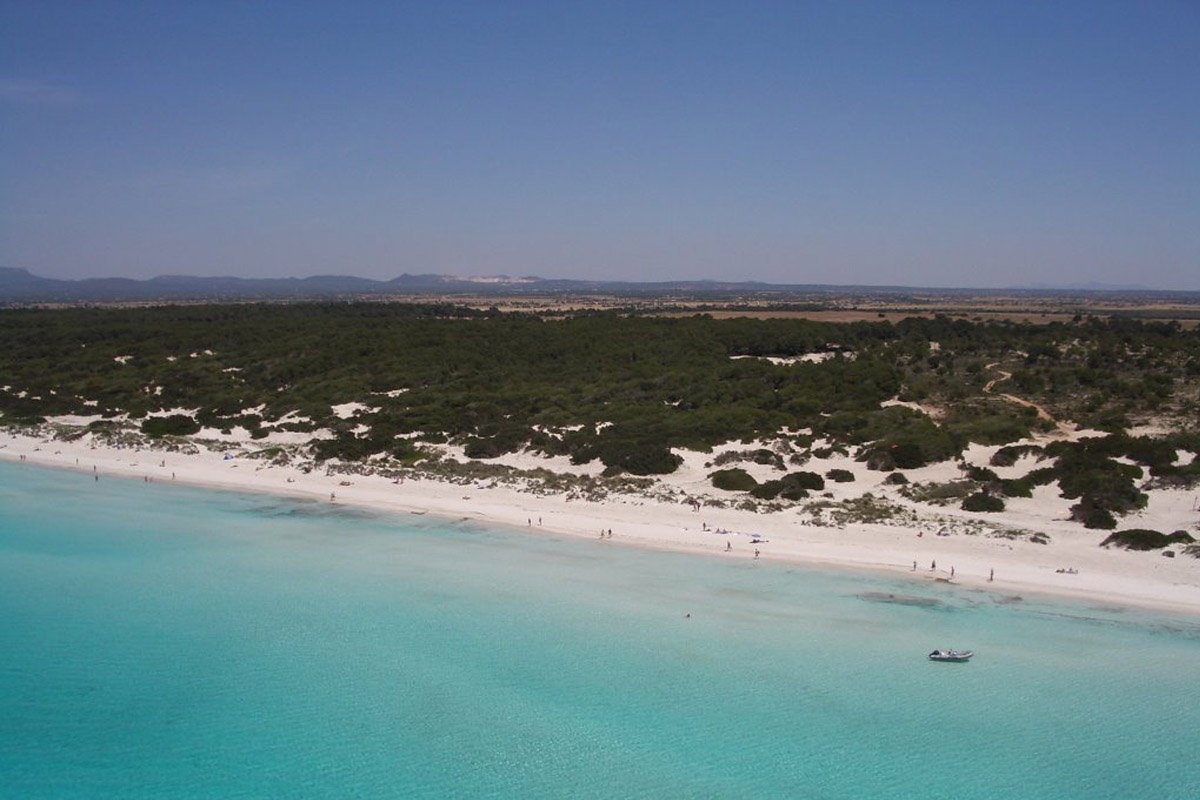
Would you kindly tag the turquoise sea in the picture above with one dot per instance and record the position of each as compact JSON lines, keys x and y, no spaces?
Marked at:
{"x":164,"y":642}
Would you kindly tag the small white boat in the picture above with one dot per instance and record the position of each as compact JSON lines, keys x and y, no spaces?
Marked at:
{"x":951,"y":655}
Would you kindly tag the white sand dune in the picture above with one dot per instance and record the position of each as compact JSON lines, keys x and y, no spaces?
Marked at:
{"x":969,"y":544}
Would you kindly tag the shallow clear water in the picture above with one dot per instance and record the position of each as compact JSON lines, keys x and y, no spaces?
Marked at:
{"x":157,"y":641}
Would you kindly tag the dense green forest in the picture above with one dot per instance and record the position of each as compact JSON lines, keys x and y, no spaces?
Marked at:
{"x":621,"y":388}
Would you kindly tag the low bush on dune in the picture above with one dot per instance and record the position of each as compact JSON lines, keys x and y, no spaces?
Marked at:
{"x":1016,"y":487}
{"x":794,"y":486}
{"x":1008,"y":455}
{"x":940,"y":493}
{"x":1093,"y":516}
{"x":981,"y":474}
{"x":644,"y":460}
{"x":173,"y":425}
{"x":1044,"y":476}
{"x":1143,"y":539}
{"x":1185,"y":476}
{"x":733,"y":480}
{"x":981,"y":501}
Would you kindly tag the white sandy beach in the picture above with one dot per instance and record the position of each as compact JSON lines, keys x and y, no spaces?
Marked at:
{"x":947,"y":536}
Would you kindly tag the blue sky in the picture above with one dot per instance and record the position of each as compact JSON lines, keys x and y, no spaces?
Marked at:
{"x":972,"y":144}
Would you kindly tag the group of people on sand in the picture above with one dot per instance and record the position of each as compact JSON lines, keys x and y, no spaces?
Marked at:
{"x":933,"y":568}
{"x":1067,"y":571}
{"x":729,"y":549}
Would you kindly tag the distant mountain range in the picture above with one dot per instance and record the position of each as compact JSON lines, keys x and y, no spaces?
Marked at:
{"x":20,"y":286}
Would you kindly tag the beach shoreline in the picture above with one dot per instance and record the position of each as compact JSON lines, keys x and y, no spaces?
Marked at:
{"x":1108,"y":577}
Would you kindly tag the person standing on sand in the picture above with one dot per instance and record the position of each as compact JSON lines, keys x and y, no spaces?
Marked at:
{"x":728,"y":546}
{"x":992,"y":575}
{"x":951,"y":572}
{"x":756,"y":552}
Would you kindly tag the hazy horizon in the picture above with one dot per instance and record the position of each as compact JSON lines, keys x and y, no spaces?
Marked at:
{"x":924,"y":144}
{"x":500,"y":279}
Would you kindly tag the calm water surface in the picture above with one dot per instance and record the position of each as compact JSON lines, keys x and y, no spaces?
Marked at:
{"x":157,"y":641}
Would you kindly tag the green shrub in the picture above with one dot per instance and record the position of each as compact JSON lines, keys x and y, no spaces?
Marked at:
{"x":982,"y":501}
{"x":733,"y":480}
{"x":914,"y":455}
{"x":1016,"y":487}
{"x":1093,"y":516}
{"x":767,"y":491}
{"x":405,"y":451}
{"x":1009,"y":454}
{"x":806,"y":480}
{"x":347,"y":447}
{"x":940,"y":492}
{"x":1044,"y":476}
{"x":840,"y":475}
{"x":482,"y":448}
{"x":640,"y":460}
{"x":793,"y":486}
{"x":764,"y":457}
{"x":1150,"y":452}
{"x":1143,"y":539}
{"x":879,"y":460}
{"x":982,"y":474}
{"x":791,"y":492}
{"x":173,"y":425}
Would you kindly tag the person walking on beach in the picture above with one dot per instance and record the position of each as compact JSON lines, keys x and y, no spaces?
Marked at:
{"x":933,"y":566}
{"x":728,"y":546}
{"x":951,"y":572}
{"x":992,"y":575}
{"x":756,"y":552}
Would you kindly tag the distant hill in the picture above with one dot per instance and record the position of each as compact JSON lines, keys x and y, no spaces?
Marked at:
{"x":20,"y":286}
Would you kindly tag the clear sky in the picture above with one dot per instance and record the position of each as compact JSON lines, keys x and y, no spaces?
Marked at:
{"x":960,"y":143}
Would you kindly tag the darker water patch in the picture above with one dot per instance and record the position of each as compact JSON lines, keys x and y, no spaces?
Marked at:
{"x":294,"y":510}
{"x":1118,"y":617}
{"x":902,"y":600}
